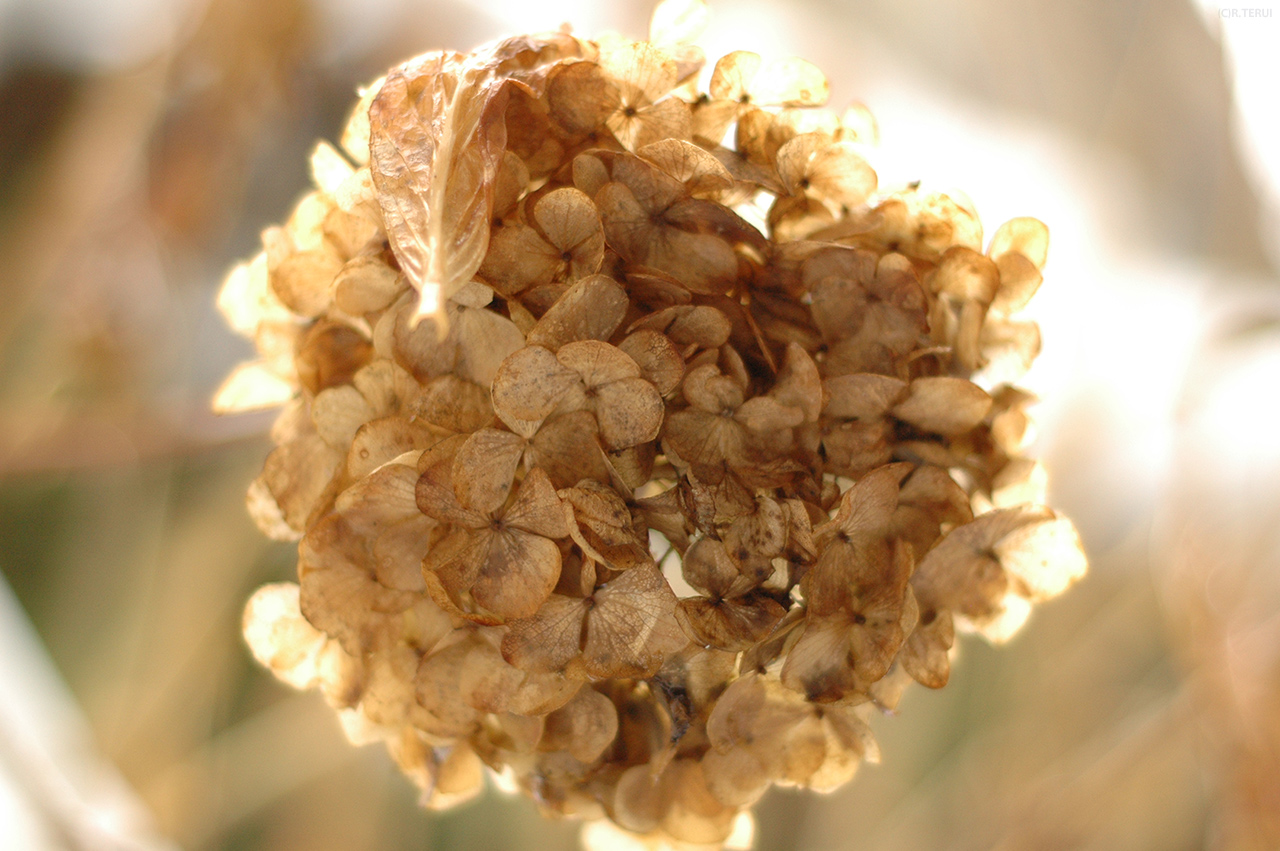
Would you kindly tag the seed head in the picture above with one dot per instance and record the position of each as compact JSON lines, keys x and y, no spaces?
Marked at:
{"x":639,"y":444}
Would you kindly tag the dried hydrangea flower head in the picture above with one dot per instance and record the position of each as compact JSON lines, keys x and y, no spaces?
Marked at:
{"x":559,"y":332}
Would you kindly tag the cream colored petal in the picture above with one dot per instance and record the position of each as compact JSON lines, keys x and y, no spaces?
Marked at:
{"x":380,"y":441}
{"x":250,"y":387}
{"x":1025,"y":235}
{"x":1046,"y":558}
{"x":485,"y":339}
{"x":631,"y":628}
{"x":338,"y":413}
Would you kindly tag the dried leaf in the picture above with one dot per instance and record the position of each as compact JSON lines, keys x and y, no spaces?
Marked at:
{"x":436,"y":142}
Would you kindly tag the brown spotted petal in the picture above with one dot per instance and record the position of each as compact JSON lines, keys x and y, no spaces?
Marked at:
{"x":528,"y":386}
{"x":436,"y":141}
{"x":591,"y":309}
{"x":831,"y":172}
{"x":628,"y":408}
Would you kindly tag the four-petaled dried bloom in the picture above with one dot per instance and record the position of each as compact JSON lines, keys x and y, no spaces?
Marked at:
{"x":558,"y":329}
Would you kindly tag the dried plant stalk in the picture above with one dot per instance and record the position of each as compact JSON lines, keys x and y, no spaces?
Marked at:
{"x":539,"y":359}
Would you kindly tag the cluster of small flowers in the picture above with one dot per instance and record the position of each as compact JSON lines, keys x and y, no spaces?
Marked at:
{"x":638,"y":446}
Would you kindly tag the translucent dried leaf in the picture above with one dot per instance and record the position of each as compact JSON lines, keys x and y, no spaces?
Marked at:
{"x":436,"y":141}
{"x":584,"y":727}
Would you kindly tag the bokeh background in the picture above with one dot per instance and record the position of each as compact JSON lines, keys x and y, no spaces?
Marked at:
{"x":143,"y":145}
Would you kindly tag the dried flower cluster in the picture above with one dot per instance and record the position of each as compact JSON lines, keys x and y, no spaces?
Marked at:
{"x":638,"y":444}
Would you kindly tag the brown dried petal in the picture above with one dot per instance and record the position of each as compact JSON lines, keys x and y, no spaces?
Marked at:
{"x":383,"y":440}
{"x":296,"y":476}
{"x":518,"y":258}
{"x":944,"y":405}
{"x":867,"y":508}
{"x":695,"y":816}
{"x":519,"y":574}
{"x":810,"y":164}
{"x":591,"y":309}
{"x":584,"y":727}
{"x":1019,"y":280}
{"x":1024,"y":235}
{"x":528,"y":386}
{"x":744,"y":77}
{"x":862,"y":396}
{"x":734,"y":624}
{"x":537,"y":509}
{"x":453,"y":404}
{"x":961,"y":572}
{"x":631,"y":627}
{"x":926,"y":655}
{"x":484,"y":468}
{"x":660,"y":364}
{"x":329,"y":354}
{"x":338,"y":412}
{"x":1045,"y":558}
{"x":700,"y":172}
{"x":965,"y":274}
{"x":548,"y":641}
{"x":690,"y":325}
{"x":707,"y":567}
{"x":567,"y":449}
{"x":571,"y":225}
{"x":630,"y":412}
{"x":364,"y":285}
{"x":485,"y":339}
{"x":437,"y":686}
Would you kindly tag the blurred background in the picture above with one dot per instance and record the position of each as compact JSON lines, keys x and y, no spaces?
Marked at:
{"x":145,"y":143}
